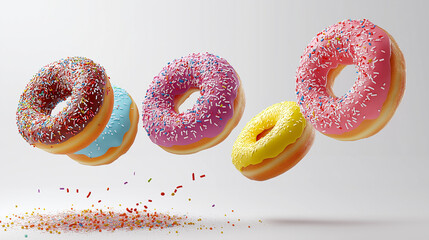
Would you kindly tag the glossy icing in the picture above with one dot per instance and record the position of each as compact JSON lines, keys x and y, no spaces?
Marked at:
{"x":287,"y":125}
{"x":218,"y":84}
{"x":350,"y":42}
{"x":118,"y":125}
{"x":81,"y":79}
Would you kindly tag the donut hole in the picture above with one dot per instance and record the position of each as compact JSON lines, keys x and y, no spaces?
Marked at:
{"x":187,"y":100}
{"x":344,"y":77}
{"x":61,"y":105}
{"x":263,"y":133}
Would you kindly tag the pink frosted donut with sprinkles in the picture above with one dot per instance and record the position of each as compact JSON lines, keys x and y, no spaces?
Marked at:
{"x":371,"y":102}
{"x":88,"y":109}
{"x":216,"y":112}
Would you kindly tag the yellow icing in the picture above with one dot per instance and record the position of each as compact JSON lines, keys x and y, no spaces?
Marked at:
{"x":287,"y":123}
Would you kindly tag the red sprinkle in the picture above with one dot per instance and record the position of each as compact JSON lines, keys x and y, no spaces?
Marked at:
{"x":193,"y":176}
{"x":202,"y":176}
{"x":89,"y":194}
{"x":162,"y":194}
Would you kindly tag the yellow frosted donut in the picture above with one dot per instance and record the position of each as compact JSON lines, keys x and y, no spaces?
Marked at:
{"x":272,"y":142}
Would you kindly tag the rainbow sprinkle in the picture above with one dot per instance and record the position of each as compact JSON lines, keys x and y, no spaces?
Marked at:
{"x":90,"y":220}
{"x":76,"y":77}
{"x":350,"y":42}
{"x":217,"y":83}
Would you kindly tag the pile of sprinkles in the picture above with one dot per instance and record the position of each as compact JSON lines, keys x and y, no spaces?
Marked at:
{"x":90,"y":220}
{"x":218,"y":84}
{"x":76,"y":77}
{"x":108,"y":219}
{"x":350,"y":42}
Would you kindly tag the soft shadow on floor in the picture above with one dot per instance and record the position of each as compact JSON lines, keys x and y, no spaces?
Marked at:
{"x":328,"y":222}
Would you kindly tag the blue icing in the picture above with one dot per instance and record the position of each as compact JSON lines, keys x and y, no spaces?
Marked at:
{"x":118,"y":125}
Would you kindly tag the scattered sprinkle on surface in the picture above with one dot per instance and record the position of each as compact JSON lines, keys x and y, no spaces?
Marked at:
{"x":106,"y":219}
{"x":90,"y":220}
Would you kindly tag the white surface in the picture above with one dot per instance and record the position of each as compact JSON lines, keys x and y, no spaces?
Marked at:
{"x":374,"y":188}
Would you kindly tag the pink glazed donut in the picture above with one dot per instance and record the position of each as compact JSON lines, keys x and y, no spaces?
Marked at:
{"x":216,"y":112}
{"x":371,"y":102}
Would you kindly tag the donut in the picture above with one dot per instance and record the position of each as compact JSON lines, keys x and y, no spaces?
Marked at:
{"x":272,"y":142}
{"x":216,"y":112}
{"x":118,"y":135}
{"x":78,"y":124}
{"x":373,"y":99}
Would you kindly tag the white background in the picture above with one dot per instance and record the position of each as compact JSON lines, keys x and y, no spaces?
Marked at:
{"x":376,"y":188}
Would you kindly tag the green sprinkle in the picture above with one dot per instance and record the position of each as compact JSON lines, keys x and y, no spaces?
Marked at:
{"x":150,"y":179}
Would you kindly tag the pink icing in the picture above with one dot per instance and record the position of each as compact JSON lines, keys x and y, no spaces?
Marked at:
{"x":357,"y":42}
{"x":218,"y":84}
